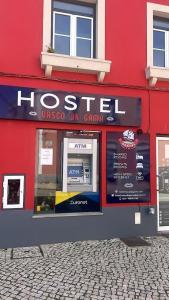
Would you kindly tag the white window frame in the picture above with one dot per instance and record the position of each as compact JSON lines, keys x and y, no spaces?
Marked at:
{"x":154,"y":73}
{"x":166,"y":49}
{"x":54,"y":34}
{"x":73,"y":31}
{"x":53,"y":61}
{"x":159,"y":228}
{"x":5,"y":191}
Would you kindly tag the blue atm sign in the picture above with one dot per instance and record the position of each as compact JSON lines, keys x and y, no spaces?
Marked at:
{"x":75,"y":171}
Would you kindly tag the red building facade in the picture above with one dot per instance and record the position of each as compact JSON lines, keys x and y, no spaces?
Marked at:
{"x":84,"y":120}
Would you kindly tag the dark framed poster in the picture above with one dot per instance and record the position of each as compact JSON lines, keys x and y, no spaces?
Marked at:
{"x":128,"y":167}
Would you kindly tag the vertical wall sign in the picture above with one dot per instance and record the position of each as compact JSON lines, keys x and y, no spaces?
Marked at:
{"x":128,"y":167}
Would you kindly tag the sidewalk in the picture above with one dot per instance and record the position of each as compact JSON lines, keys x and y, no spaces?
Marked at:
{"x":94,"y":270}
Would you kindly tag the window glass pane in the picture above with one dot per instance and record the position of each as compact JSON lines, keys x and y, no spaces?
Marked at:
{"x":159,"y":58}
{"x":158,"y":39}
{"x":73,"y":8}
{"x":64,"y":179}
{"x":48,"y":170}
{"x":161,"y":23}
{"x":83,"y":48}
{"x":62,"y":24}
{"x":83,"y":28}
{"x":62,"y":44}
{"x":13,"y":191}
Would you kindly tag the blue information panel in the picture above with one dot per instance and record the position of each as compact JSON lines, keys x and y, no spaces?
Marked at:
{"x":128,"y":167}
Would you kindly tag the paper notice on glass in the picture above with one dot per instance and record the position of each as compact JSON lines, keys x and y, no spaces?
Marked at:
{"x":46,"y":157}
{"x":166,"y":151}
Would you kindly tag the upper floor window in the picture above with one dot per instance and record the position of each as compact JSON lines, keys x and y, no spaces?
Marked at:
{"x":157,"y":43}
{"x":160,"y":42}
{"x":73,"y":29}
{"x":74,"y":37}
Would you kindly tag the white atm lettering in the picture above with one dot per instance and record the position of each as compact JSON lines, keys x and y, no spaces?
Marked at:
{"x":81,"y":146}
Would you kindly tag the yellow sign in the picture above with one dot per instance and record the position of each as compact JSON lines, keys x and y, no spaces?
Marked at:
{"x":63,"y":196}
{"x":38,"y":208}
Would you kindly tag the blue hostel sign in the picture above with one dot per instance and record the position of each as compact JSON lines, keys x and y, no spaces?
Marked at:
{"x":128,"y":167}
{"x":21,"y":103}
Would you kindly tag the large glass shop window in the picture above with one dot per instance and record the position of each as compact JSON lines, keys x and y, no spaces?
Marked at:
{"x":67,"y":171}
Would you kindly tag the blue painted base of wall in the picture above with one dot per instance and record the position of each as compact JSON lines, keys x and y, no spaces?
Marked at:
{"x":18,"y":228}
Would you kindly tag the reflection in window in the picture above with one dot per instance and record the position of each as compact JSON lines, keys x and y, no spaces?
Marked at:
{"x":83,"y":48}
{"x":57,"y":177}
{"x":61,"y":38}
{"x":159,"y":58}
{"x":84,"y":28}
{"x":48,"y":169}
{"x":62,"y":44}
{"x":59,"y":21}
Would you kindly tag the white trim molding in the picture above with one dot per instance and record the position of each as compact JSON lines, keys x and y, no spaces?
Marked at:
{"x":53,"y":61}
{"x":154,"y":73}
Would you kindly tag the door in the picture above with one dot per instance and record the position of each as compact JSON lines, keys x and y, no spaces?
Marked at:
{"x":13,"y":191}
{"x":163,"y":183}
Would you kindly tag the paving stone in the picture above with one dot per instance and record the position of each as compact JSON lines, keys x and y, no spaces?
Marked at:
{"x":26,"y":252}
{"x":89,"y":270}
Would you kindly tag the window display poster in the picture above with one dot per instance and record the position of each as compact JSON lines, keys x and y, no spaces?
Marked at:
{"x":46,"y":157}
{"x":128,"y":167}
{"x":74,"y":202}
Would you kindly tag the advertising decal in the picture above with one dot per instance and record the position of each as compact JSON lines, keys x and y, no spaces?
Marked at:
{"x":77,"y":202}
{"x":128,"y":167}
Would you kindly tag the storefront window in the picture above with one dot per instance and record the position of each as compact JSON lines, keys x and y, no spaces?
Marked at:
{"x":67,"y":171}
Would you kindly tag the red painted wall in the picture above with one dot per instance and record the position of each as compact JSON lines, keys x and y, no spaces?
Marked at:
{"x":21,"y":39}
{"x":21,"y":45}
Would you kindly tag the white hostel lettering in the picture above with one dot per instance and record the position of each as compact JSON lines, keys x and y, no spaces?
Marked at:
{"x":71,"y":103}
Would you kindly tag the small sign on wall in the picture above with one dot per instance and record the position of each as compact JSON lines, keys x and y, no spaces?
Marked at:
{"x":46,"y":157}
{"x":137,"y":218}
{"x":13,"y":187}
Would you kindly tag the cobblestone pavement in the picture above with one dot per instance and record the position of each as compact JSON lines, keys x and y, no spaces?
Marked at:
{"x":91,"y":270}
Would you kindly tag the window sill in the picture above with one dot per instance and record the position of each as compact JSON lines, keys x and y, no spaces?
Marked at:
{"x":157,"y":73}
{"x":41,"y":216}
{"x":53,"y":61}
